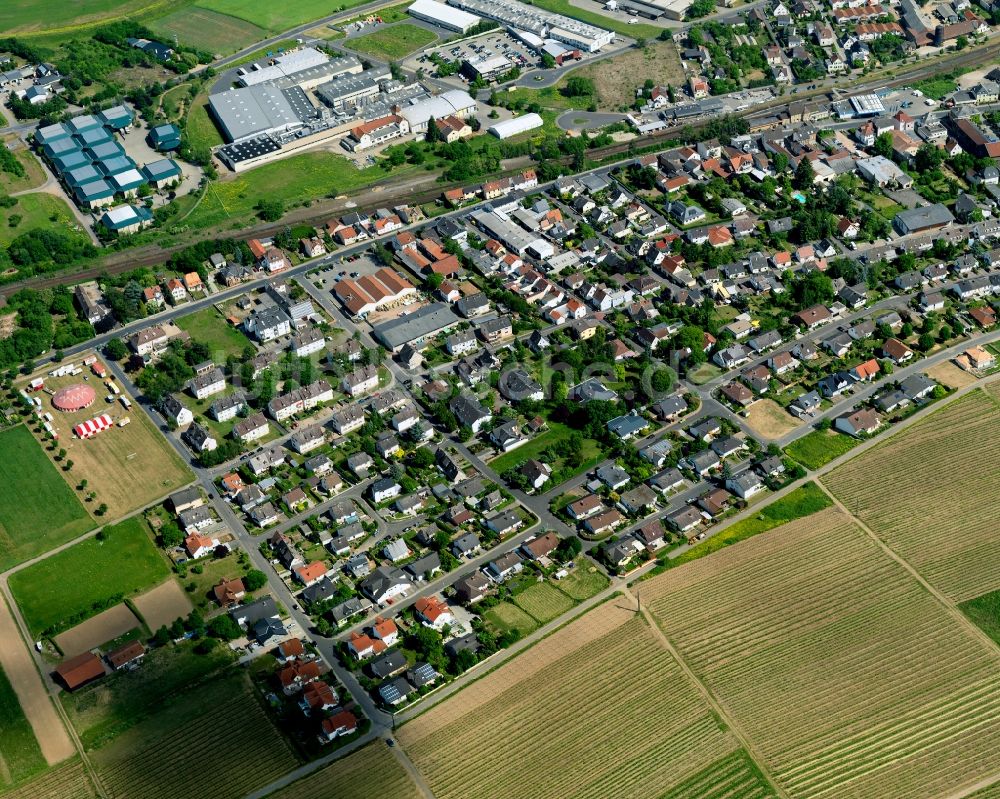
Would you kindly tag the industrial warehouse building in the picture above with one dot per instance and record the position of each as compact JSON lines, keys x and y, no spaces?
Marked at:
{"x":512,"y":127}
{"x":543,"y":24}
{"x":453,"y":19}
{"x":415,"y":328}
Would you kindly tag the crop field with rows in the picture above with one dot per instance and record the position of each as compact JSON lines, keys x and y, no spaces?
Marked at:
{"x":234,"y":745}
{"x":849,"y":678}
{"x":352,"y":777}
{"x":68,"y":781}
{"x":602,"y":694}
{"x":908,"y":492}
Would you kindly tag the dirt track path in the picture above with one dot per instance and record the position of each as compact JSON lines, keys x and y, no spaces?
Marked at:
{"x":27,"y":683}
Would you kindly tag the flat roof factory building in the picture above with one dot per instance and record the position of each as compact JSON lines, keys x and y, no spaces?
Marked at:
{"x":541,"y":23}
{"x":444,"y":16}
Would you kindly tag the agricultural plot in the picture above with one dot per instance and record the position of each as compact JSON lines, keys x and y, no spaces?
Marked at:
{"x":276,"y":17}
{"x":153,"y":760}
{"x":79,"y":581}
{"x":818,"y":447}
{"x":850,"y":678}
{"x":208,"y":30}
{"x":38,"y":511}
{"x":20,"y":757}
{"x":984,"y":611}
{"x":127,"y":467}
{"x":25,"y":16}
{"x":584,"y":581}
{"x":543,"y":601}
{"x":107,"y":625}
{"x":163,"y":605}
{"x":601,"y":693}
{"x":351,"y":778}
{"x":769,"y":419}
{"x":66,"y":782}
{"x":109,"y":708}
{"x":505,"y":616}
{"x":906,"y":490}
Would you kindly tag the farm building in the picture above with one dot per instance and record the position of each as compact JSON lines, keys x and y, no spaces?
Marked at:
{"x":512,"y":127}
{"x":80,"y":670}
{"x":453,"y":19}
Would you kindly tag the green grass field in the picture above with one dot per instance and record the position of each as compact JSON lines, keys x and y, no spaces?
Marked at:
{"x":38,"y":511}
{"x":198,"y":124}
{"x":67,"y":585}
{"x":392,"y":43}
{"x":35,"y":211}
{"x":106,"y":709}
{"x":208,"y":327}
{"x":208,"y":30}
{"x":505,"y":616}
{"x":819,"y":447}
{"x":985,"y":612}
{"x":291,"y":180}
{"x":34,"y":175}
{"x":556,"y":433}
{"x":45,"y":15}
{"x":276,"y":17}
{"x":803,"y":501}
{"x":20,"y":755}
{"x":584,"y":581}
{"x":543,"y":601}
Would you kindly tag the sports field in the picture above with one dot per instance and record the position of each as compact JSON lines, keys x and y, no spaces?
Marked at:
{"x":931,"y":494}
{"x":20,"y":757}
{"x":79,"y":581}
{"x":601,"y":694}
{"x":351,"y":778}
{"x":127,"y":467}
{"x":38,"y":511}
{"x":208,"y":30}
{"x":214,"y":741}
{"x":392,"y":43}
{"x":848,"y":676}
{"x":210,"y":328}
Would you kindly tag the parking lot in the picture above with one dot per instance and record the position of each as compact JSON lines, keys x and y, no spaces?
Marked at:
{"x":489,"y":45}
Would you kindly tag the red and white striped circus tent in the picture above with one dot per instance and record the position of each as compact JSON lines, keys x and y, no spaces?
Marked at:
{"x":93,"y":426}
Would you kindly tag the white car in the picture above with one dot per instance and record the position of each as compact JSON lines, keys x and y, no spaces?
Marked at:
{"x":633,"y":20}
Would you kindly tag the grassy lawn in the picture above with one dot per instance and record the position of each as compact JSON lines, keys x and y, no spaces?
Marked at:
{"x":21,"y":756}
{"x":556,"y":433}
{"x":102,"y":711}
{"x":392,"y":43}
{"x":67,"y":585}
{"x":543,"y":601}
{"x":213,"y":570}
{"x":984,"y":611}
{"x":704,"y":373}
{"x":35,"y":211}
{"x":550,"y":97}
{"x":291,"y":180}
{"x":584,"y":581}
{"x":278,"y":16}
{"x":34,"y":175}
{"x":819,"y":447}
{"x":208,"y":327}
{"x":208,"y":30}
{"x":803,"y":501}
{"x":198,"y":124}
{"x":505,"y":616}
{"x":38,"y":511}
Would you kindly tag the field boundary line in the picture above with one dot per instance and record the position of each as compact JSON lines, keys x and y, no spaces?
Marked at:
{"x":969,"y":790}
{"x":949,"y":606}
{"x":713,"y":702}
{"x":411,"y":769}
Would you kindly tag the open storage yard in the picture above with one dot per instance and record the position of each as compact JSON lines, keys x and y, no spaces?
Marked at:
{"x":127,"y":467}
{"x":907,"y":490}
{"x":153,"y":760}
{"x":601,"y":691}
{"x":87,"y":577}
{"x":351,"y":778}
{"x":846,"y":674}
{"x":38,"y":511}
